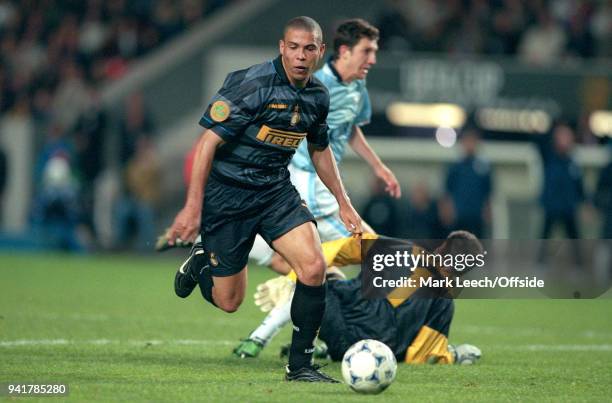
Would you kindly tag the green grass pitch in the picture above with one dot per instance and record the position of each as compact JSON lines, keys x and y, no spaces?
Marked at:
{"x":111,"y":327}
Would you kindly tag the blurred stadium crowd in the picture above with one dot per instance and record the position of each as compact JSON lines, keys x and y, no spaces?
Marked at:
{"x":537,"y":31}
{"x":53,"y":49}
{"x":55,"y":55}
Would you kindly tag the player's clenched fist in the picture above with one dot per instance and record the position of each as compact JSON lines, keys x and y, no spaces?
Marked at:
{"x":185,"y":226}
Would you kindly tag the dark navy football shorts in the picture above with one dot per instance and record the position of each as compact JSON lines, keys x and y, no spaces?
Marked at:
{"x":233,"y":215}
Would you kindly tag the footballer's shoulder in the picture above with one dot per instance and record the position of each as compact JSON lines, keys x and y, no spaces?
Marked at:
{"x":320,"y":94}
{"x":320,"y":91}
{"x":256,"y":74}
{"x":328,"y":76}
{"x":261,"y":72}
{"x":250,"y":80}
{"x":316,"y":83}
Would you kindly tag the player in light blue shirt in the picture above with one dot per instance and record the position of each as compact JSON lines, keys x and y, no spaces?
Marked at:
{"x":351,"y":107}
{"x":349,"y":110}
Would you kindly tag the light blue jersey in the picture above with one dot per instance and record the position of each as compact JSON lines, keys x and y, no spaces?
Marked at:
{"x":349,"y":105}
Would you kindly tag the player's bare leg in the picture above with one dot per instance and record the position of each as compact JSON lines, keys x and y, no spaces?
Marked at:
{"x":228,"y":292}
{"x":301,"y":248}
{"x":281,"y":266}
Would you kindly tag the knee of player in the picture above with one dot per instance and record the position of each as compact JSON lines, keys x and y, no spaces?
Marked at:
{"x":313,"y":271}
{"x":229,"y":305}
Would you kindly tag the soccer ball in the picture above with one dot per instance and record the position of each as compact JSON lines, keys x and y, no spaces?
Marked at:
{"x":369,"y":366}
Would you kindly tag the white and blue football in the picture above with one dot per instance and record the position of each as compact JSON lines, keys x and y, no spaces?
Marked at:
{"x":369,"y":366}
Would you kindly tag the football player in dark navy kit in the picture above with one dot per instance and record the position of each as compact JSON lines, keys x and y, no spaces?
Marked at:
{"x":240,"y":187}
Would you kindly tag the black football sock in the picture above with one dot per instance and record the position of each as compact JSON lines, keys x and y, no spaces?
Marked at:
{"x":205,"y":280}
{"x":307,"y":310}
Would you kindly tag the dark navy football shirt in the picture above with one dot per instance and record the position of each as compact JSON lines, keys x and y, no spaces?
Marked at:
{"x":263,"y":119}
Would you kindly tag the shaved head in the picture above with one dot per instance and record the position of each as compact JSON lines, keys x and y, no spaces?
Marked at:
{"x":305,"y":24}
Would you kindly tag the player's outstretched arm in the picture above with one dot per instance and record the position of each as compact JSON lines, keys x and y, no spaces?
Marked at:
{"x":325,"y":165}
{"x":187,"y":222}
{"x":360,"y":145}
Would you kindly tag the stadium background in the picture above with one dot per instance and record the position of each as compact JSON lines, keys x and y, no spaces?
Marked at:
{"x":100,"y":100}
{"x":90,"y":78}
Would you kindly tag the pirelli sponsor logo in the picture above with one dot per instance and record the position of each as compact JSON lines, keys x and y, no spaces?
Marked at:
{"x":280,"y":137}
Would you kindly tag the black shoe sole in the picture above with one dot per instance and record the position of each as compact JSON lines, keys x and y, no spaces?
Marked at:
{"x":303,"y":375}
{"x":310,"y":379}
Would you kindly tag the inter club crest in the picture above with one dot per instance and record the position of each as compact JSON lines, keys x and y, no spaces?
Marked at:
{"x":295,"y":116}
{"x":213,"y":259}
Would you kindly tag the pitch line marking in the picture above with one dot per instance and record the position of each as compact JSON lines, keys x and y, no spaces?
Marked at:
{"x":204,"y":342}
{"x":101,"y":342}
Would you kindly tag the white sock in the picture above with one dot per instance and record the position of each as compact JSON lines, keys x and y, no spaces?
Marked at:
{"x":273,"y":323}
{"x":261,"y":252}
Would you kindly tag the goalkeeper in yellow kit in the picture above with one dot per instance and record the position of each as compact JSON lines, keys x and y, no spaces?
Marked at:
{"x":415,"y":324}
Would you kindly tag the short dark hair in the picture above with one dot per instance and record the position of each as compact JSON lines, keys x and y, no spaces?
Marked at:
{"x":461,"y":243}
{"x":466,"y":243}
{"x":351,"y":31}
{"x":305,"y":23}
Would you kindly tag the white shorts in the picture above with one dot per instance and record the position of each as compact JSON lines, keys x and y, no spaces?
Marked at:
{"x":322,"y":205}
